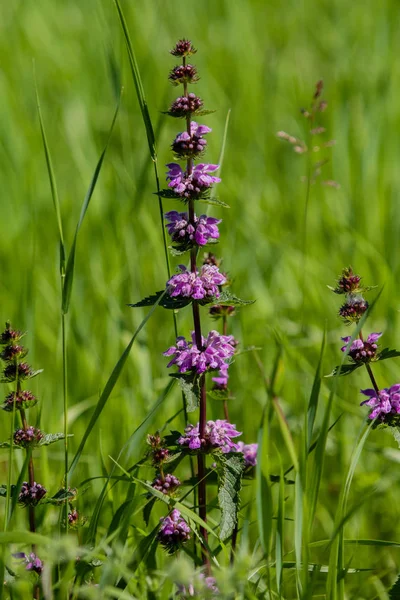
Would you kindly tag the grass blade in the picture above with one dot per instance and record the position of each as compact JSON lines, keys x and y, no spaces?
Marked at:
{"x":109,"y":387}
{"x":138,"y":84}
{"x":69,"y":272}
{"x":53,"y":184}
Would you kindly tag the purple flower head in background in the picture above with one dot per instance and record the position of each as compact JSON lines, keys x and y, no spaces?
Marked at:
{"x":183,"y":232}
{"x":193,"y":185}
{"x":362,"y":350}
{"x":31,"y":495}
{"x":167,"y":484}
{"x":198,"y":285}
{"x":249,"y":452}
{"x":187,"y":145}
{"x":206,"y":585}
{"x":218,"y":434}
{"x":32,"y":562}
{"x":216,"y":353}
{"x":384,"y":404}
{"x":173,"y":531}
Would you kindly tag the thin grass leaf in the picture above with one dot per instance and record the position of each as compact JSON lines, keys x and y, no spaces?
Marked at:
{"x":53,"y":184}
{"x":264,"y":501}
{"x":280,"y":535}
{"x":109,"y":388}
{"x":314,"y":397}
{"x":138,"y":84}
{"x":69,"y":272}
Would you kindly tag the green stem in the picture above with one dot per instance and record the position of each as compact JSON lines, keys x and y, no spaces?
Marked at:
{"x":65,"y":402}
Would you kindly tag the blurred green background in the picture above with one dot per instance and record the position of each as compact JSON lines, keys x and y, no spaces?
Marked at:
{"x":260,"y":60}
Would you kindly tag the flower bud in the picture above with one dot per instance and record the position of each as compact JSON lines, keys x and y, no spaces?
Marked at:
{"x":183,"y":48}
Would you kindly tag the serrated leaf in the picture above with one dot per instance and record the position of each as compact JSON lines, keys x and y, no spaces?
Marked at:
{"x":191,"y":390}
{"x":51,"y":438}
{"x":386,"y":353}
{"x":169,"y":194}
{"x":166,"y":301}
{"x":230,"y":471}
{"x":218,"y":394}
{"x":394,"y":592}
{"x":195,"y":113}
{"x":344,"y":369}
{"x":226,"y":298}
{"x":60,"y":497}
{"x":215,"y":202}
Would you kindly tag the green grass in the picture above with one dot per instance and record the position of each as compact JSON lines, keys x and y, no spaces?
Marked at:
{"x":260,"y":60}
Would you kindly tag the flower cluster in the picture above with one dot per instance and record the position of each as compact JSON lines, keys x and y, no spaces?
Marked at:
{"x":215,"y":354}
{"x":31,"y":561}
{"x":198,"y":285}
{"x":249,"y":452}
{"x":30,"y":495}
{"x":185,"y":105}
{"x":194,"y":184}
{"x":190,"y":145}
{"x":22,"y":399}
{"x":167,"y":484}
{"x":183,"y":74}
{"x":186,"y":234}
{"x":159,"y":452}
{"x":27,"y":437}
{"x":355,"y":306}
{"x":183,"y":48}
{"x":218,"y":434}
{"x":385,"y":404}
{"x":173,"y":532}
{"x":362,"y":350}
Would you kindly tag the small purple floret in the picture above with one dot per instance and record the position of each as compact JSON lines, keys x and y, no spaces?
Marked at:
{"x":31,"y":495}
{"x":193,"y":185}
{"x":166,"y":484}
{"x":362,"y":350}
{"x":187,"y":145}
{"x":32,"y":562}
{"x":385,"y":403}
{"x":216,"y":353}
{"x":183,"y":232}
{"x":218,"y":434}
{"x":249,"y":452}
{"x":173,"y":531}
{"x":199,"y":285}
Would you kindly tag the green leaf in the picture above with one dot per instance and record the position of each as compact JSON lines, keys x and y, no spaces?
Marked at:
{"x":166,"y":301}
{"x":3,"y":491}
{"x":344,"y":369}
{"x":386,"y":353}
{"x":60,"y":497}
{"x":69,"y":272}
{"x":214,"y":201}
{"x":170,"y":194}
{"x":51,"y":438}
{"x":138,"y":84}
{"x":226,"y":298}
{"x":189,"y":384}
{"x":394,"y":592}
{"x":230,"y":471}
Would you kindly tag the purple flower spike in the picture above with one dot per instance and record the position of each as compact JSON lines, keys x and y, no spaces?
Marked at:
{"x":249,"y":452}
{"x":194,"y":185}
{"x":385,"y":404}
{"x":362,"y":350}
{"x":173,"y":532}
{"x":186,"y":234}
{"x":218,"y":434}
{"x":198,"y":285}
{"x":216,"y":353}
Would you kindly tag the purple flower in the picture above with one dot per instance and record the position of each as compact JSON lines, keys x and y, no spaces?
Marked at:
{"x":12,"y":352}
{"x":73,"y":518}
{"x":173,"y":531}
{"x":217,"y":434}
{"x":190,"y":145}
{"x":27,"y":437}
{"x":348,"y":283}
{"x":183,"y":48}
{"x":215,"y":354}
{"x":9,"y":336}
{"x":185,"y":105}
{"x":166,"y":484}
{"x":221,"y":382}
{"x":249,"y":452}
{"x":362,"y":350}
{"x":353,"y":309}
{"x":32,"y":562}
{"x":31,"y":495}
{"x":183,"y":74}
{"x":193,"y":185}
{"x":14,"y":371}
{"x":22,"y":399}
{"x":384,"y":404}
{"x":184,"y":233}
{"x":198,"y":285}
{"x":206,"y":585}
